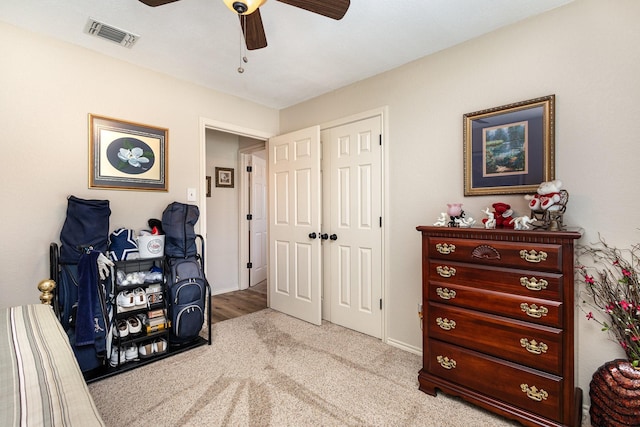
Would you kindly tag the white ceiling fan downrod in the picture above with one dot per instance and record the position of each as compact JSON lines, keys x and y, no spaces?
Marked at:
{"x":243,"y":46}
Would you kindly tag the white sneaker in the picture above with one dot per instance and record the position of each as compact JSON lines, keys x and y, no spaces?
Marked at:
{"x":122,"y":328}
{"x":125,"y":299}
{"x":131,"y":353}
{"x":116,"y":356}
{"x":147,"y":350}
{"x":140,"y":297}
{"x":160,"y":345}
{"x":135,"y":325}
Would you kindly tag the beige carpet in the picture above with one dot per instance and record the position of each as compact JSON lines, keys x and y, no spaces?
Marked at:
{"x":268,"y":369}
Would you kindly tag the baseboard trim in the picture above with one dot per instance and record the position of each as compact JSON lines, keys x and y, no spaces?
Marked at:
{"x":404,"y":346}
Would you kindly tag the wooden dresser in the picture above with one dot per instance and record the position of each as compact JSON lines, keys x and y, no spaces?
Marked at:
{"x":498,"y":318}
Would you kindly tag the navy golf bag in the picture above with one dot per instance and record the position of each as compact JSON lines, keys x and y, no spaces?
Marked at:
{"x":80,"y":298}
{"x":187,"y":286}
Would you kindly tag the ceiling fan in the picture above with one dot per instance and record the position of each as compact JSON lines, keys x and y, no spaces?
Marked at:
{"x":251,"y":21}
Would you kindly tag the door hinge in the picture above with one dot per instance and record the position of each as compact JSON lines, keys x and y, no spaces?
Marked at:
{"x":380,"y":303}
{"x":380,"y":222}
{"x":249,"y":169}
{"x":250,"y":265}
{"x":249,"y":217}
{"x":380,"y":139}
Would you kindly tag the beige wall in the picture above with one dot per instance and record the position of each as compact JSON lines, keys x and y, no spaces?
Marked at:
{"x":223,"y":214}
{"x":586,"y":54}
{"x":48,"y":88}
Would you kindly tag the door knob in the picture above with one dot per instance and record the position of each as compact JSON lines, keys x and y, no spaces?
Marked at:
{"x":324,"y":236}
{"x":312,"y":235}
{"x":333,"y":237}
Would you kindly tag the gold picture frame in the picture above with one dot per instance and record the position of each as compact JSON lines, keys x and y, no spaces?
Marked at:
{"x":509,"y":149}
{"x":125,"y":155}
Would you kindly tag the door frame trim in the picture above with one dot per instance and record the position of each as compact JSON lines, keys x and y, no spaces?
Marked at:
{"x":383,"y":113}
{"x":205,"y":123}
{"x":211,"y":124}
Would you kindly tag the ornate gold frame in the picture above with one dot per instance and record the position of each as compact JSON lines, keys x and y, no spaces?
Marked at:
{"x":534,"y":119}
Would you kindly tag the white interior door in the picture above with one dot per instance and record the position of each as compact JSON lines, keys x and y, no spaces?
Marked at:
{"x":352,"y":175}
{"x":294,"y":217}
{"x":258,"y":223}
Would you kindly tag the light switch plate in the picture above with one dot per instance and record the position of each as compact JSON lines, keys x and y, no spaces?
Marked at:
{"x":191,"y":194}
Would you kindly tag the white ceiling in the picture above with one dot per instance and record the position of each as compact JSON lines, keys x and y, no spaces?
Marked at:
{"x":307,"y":54}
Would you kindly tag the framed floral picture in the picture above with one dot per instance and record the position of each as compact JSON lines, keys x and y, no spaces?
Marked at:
{"x":509,"y":149}
{"x":126,"y":155}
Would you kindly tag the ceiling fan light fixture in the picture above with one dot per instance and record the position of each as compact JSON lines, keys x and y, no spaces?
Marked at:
{"x":244,"y":7}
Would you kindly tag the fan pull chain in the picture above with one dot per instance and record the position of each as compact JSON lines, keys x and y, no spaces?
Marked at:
{"x":243,"y":55}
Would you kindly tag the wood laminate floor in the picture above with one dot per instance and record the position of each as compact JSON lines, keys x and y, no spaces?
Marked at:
{"x":238,"y":303}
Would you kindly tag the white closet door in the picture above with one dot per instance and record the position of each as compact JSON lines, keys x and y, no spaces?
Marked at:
{"x":352,"y":169}
{"x":294,"y":217}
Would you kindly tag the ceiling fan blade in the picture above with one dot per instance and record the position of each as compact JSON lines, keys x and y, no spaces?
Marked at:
{"x":154,"y":3}
{"x":253,"y":30}
{"x":334,"y":9}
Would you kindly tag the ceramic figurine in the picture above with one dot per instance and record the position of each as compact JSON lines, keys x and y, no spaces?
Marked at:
{"x":522,"y":223}
{"x":464,"y":222}
{"x":490,"y":221}
{"x":442,"y":221}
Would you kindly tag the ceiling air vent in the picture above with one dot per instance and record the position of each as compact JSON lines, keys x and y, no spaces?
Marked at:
{"x":113,"y":34}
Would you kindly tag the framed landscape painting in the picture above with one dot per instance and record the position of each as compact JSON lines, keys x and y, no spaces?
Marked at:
{"x":509,"y":149}
{"x":126,"y":155}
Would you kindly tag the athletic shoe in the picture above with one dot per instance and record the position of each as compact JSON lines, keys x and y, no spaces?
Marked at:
{"x":116,"y":356}
{"x":140,"y":297}
{"x":160,"y":345}
{"x":122,"y":329}
{"x":131,"y":353}
{"x":135,"y":326}
{"x":125,"y":299}
{"x":147,"y":350}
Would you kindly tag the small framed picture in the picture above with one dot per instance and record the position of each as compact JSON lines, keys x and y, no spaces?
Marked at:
{"x":509,"y":149}
{"x":224,"y":177}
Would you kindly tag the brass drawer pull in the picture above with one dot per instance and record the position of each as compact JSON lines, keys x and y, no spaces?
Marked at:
{"x":445,"y":248}
{"x":534,"y":284}
{"x":533,"y":393}
{"x":446,"y":363}
{"x":533,"y":346}
{"x":446,"y":271}
{"x":533,"y":310}
{"x":446,"y":293}
{"x":533,"y":255}
{"x":446,"y":324}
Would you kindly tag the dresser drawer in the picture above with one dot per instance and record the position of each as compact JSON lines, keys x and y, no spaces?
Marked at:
{"x":526,"y":388}
{"x":530,"y":283}
{"x":535,"y":346}
{"x":535,"y":310}
{"x":538,"y":256}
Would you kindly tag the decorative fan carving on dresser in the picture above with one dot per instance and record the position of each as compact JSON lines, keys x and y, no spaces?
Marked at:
{"x":485,"y":252}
